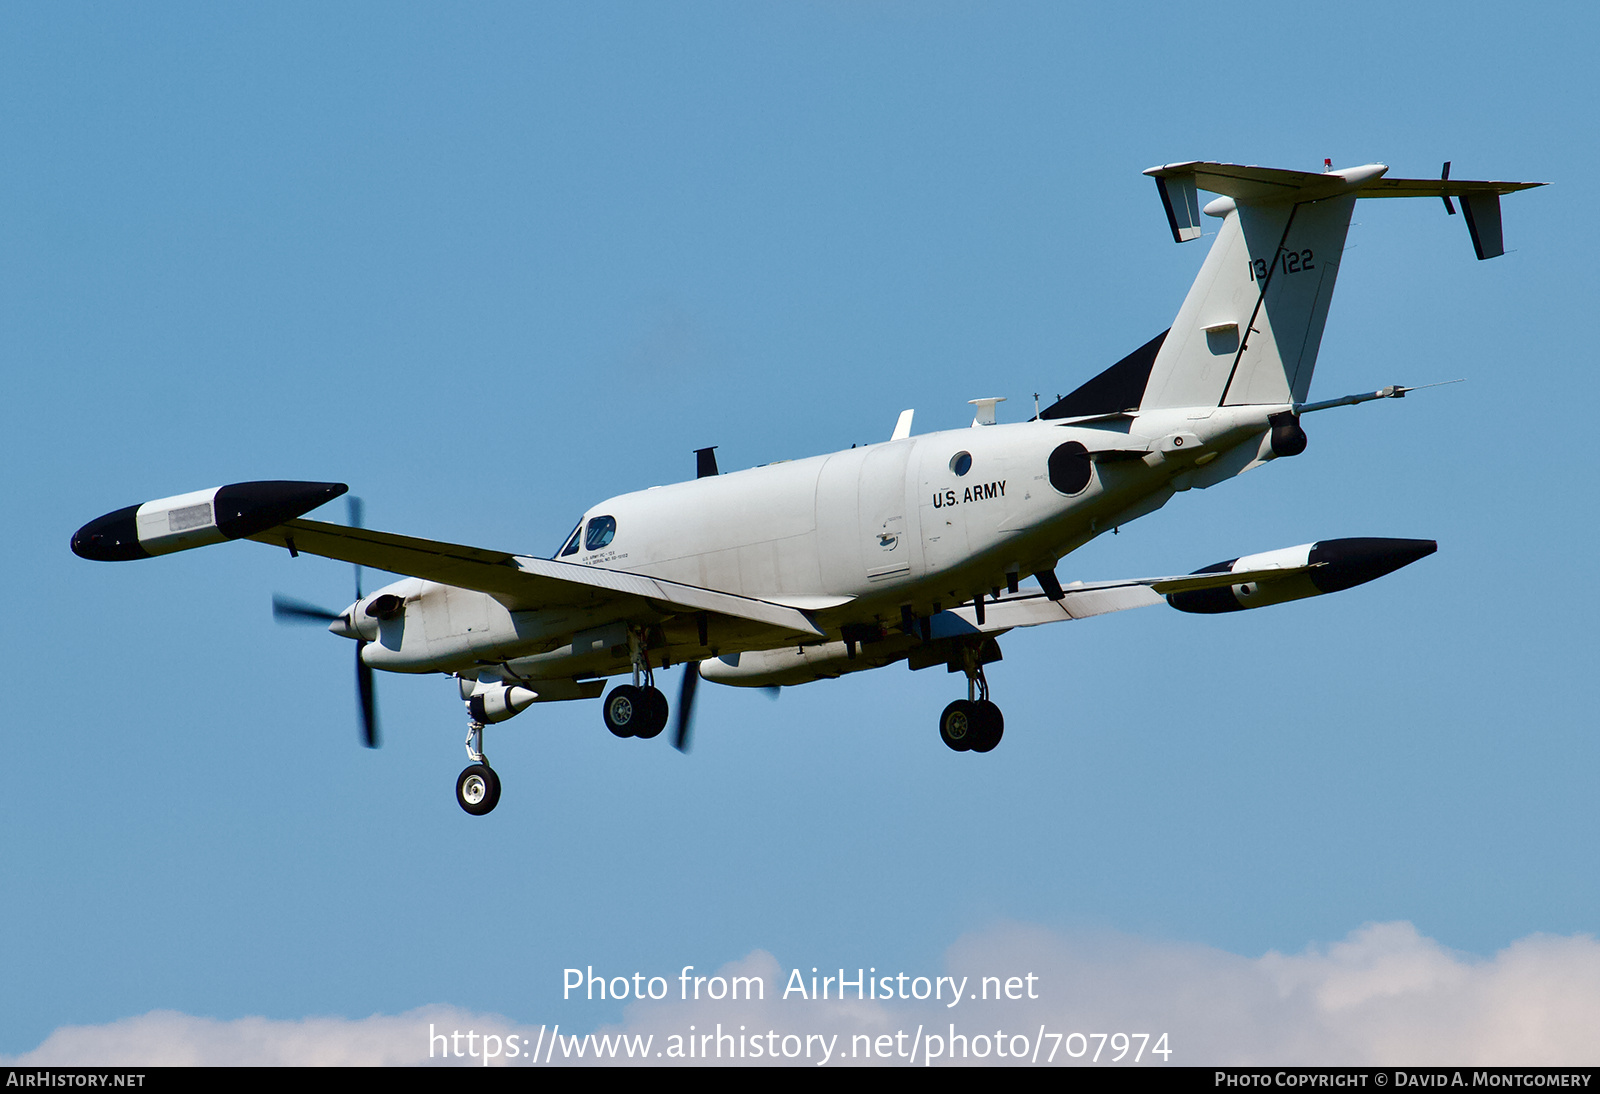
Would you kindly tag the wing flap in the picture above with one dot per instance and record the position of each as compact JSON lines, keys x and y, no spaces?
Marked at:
{"x":1084,"y":601}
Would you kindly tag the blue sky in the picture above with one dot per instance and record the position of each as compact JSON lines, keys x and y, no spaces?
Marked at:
{"x":490,"y":268}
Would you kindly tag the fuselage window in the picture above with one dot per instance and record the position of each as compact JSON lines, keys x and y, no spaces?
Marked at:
{"x":961,"y":463}
{"x":601,"y":529}
{"x":571,"y":546}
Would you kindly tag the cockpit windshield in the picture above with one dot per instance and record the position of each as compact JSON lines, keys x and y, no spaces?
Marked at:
{"x":601,"y":529}
{"x":591,"y":537}
{"x":571,"y":546}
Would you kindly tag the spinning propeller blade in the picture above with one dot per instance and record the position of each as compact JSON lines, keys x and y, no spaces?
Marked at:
{"x":691,"y":678}
{"x":354,"y":508}
{"x":369,"y":702}
{"x":288,"y":610}
{"x":364,"y":688}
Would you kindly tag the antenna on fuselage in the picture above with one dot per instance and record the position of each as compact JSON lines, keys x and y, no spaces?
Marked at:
{"x":984,"y":415}
{"x":705,"y":462}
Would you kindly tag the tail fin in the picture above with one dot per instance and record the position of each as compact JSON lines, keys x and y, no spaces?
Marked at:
{"x":1249,"y":330}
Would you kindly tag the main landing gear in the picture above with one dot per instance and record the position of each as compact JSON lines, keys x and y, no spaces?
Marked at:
{"x":637,"y":709}
{"x":973,"y":724}
{"x":478,"y":787}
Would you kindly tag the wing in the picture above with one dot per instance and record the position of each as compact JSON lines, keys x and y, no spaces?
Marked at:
{"x":267,"y":512}
{"x":523,"y":583}
{"x":1082,"y":600}
{"x":1251,"y":581}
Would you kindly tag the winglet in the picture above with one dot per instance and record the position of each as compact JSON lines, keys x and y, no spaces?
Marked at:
{"x":1182,"y":203}
{"x":1482,"y":213}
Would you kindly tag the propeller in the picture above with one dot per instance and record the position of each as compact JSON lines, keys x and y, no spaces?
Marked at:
{"x":691,"y":679}
{"x":369,"y":702}
{"x":686,"y":690}
{"x":364,"y":692}
{"x":288,"y":610}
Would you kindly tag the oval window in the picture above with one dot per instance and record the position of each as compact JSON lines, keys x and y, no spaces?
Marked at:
{"x":601,"y":529}
{"x":961,"y":463}
{"x":1070,"y":468}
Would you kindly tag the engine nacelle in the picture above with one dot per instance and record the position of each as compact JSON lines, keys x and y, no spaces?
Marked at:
{"x":1335,"y":564}
{"x":800,"y":665}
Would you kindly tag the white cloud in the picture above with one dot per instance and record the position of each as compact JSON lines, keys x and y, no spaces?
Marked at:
{"x":1385,"y":995}
{"x":165,"y":1038}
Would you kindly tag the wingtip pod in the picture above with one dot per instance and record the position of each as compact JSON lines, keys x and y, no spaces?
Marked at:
{"x":1327,"y":566}
{"x":199,"y":518}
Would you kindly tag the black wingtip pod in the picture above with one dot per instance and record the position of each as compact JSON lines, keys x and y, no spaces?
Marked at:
{"x":1333,"y":565}
{"x":111,"y":538}
{"x":194,"y":520}
{"x":1346,"y":563}
{"x":246,"y":508}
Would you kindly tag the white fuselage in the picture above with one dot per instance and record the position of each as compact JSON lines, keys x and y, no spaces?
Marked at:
{"x":852,"y":537}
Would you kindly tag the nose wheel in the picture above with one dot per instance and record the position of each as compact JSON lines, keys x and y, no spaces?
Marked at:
{"x":478,"y":787}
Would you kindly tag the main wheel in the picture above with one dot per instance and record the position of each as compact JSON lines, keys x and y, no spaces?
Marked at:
{"x":627,"y":710}
{"x":989,"y":725}
{"x":957,"y":724}
{"x":478,"y":789}
{"x":655,"y":714}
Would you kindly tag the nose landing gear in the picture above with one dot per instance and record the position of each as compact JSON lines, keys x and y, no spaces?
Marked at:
{"x":478,"y":787}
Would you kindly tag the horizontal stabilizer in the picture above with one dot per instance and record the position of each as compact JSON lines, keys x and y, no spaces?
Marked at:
{"x":1480,"y":199}
{"x":1264,"y":184}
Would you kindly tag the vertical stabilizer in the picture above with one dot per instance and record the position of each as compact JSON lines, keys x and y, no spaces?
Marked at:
{"x":1249,"y":330}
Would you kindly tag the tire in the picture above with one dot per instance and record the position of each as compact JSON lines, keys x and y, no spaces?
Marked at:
{"x":655,"y":714}
{"x":627,"y":710}
{"x":989,"y":728}
{"x":478,"y":789}
{"x":957,"y":724}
